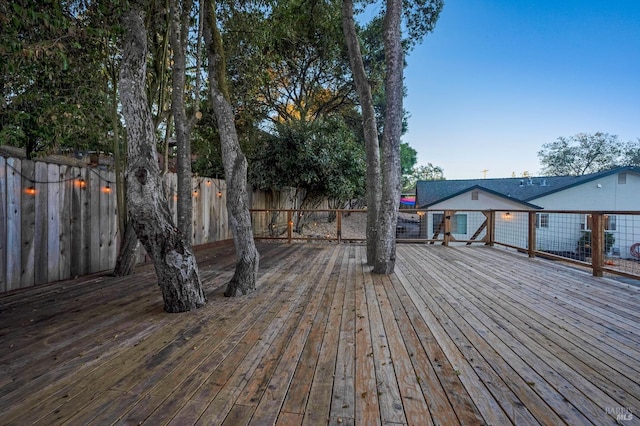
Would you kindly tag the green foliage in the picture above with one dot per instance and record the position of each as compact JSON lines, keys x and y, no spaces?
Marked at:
{"x":408,"y":158}
{"x":584,"y":243}
{"x":54,"y":90}
{"x":320,"y":157}
{"x":631,"y":153}
{"x":428,"y":172}
{"x":580,"y":154}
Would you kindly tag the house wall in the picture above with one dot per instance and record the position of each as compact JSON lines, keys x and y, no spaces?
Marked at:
{"x":600,"y":194}
{"x":485,"y":201}
{"x":604,"y":194}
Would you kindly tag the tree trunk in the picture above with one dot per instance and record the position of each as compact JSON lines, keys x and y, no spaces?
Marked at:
{"x":127,"y":258}
{"x":391,"y":172}
{"x":175,"y":264}
{"x":234,"y":162}
{"x":183,"y":137}
{"x":373,"y":184}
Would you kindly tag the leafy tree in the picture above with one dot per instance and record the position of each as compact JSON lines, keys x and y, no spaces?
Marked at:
{"x":173,"y":259}
{"x":235,"y":163}
{"x":631,"y":153}
{"x":319,"y":158}
{"x":383,"y":180}
{"x":408,"y":158}
{"x":428,"y":172}
{"x":580,"y":154}
{"x":52,"y":81}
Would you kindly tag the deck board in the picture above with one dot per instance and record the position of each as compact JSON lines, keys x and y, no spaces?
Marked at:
{"x":457,"y":335}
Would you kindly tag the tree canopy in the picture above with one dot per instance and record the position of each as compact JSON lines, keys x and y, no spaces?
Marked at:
{"x":586,"y":153}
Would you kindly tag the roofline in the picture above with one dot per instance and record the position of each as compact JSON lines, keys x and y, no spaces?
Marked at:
{"x":497,"y":194}
{"x":594,"y":176}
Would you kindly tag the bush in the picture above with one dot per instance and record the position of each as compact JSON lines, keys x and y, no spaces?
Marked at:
{"x":584,"y":243}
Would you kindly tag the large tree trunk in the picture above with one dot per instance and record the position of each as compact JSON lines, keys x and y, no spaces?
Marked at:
{"x":373,"y":184}
{"x":128,"y":255}
{"x":175,"y":264}
{"x":183,"y":134}
{"x":234,"y":162}
{"x":391,"y":173}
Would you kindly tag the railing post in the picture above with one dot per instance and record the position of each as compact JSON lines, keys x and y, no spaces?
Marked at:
{"x":531,"y":243}
{"x":447,"y":226}
{"x":491,"y":227}
{"x":289,"y":226}
{"x":597,"y":244}
{"x":339,"y":225}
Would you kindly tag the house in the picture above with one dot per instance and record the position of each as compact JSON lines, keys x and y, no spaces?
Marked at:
{"x":616,"y":190}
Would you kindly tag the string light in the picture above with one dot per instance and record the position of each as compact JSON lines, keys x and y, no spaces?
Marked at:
{"x":30,"y":191}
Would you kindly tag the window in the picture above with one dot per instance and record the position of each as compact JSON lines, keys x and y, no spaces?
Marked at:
{"x":458,"y":223}
{"x":474,"y":195}
{"x":609,"y":223}
{"x":542,"y":220}
{"x":622,"y":178}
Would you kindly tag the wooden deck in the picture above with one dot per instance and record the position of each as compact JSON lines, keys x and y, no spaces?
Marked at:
{"x":458,"y":335}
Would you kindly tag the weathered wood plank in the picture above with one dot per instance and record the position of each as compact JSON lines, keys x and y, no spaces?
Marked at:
{"x":343,"y":400}
{"x":28,"y":224}
{"x":367,"y":407}
{"x":100,"y":350}
{"x":3,"y":224}
{"x":319,"y":400}
{"x":296,"y":398}
{"x":66,"y":236}
{"x":274,"y":392}
{"x":94,"y":225}
{"x":41,"y":237}
{"x":53,"y":222}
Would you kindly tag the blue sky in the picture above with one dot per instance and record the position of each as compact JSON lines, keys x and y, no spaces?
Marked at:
{"x":499,"y":78}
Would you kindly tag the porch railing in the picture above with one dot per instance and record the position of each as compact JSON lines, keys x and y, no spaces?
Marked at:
{"x":603,"y":241}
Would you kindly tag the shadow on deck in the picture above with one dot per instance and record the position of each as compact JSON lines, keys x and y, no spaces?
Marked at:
{"x":458,"y":335}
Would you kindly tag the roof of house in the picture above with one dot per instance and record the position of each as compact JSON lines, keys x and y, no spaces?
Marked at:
{"x":523,"y":189}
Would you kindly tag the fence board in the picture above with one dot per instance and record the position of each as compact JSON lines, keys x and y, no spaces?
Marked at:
{"x":93,"y":231}
{"x":66,"y":230}
{"x":3,"y":224}
{"x":53,"y":225}
{"x":41,"y":237}
{"x":79,"y":210}
{"x":102,"y":221}
{"x":27,"y":225}
{"x":64,"y":209}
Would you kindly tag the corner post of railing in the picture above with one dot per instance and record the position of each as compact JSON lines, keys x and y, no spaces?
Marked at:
{"x":289,"y":226}
{"x":448,"y":214}
{"x":339,"y":225}
{"x":597,"y":244}
{"x":531,"y":238}
{"x":491,"y":227}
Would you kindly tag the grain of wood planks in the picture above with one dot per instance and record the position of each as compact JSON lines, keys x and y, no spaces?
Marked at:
{"x":59,"y":220}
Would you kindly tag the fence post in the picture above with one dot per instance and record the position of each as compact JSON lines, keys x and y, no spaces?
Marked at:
{"x":448,"y":214}
{"x":339,"y":225}
{"x":597,"y":244}
{"x":531,"y":243}
{"x":491,"y":227}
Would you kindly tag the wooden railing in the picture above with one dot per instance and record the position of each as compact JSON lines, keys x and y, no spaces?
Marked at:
{"x":600,"y":240}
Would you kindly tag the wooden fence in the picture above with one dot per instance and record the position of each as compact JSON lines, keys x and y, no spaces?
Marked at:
{"x":60,"y":221}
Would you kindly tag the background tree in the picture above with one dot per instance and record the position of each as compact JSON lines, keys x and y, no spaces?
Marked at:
{"x":55,"y":96}
{"x":631,"y":153}
{"x":383,"y":187}
{"x":235,"y":163}
{"x":580,"y":154}
{"x":319,"y":158}
{"x":428,"y":172}
{"x":175,"y":264}
{"x":408,"y":158}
